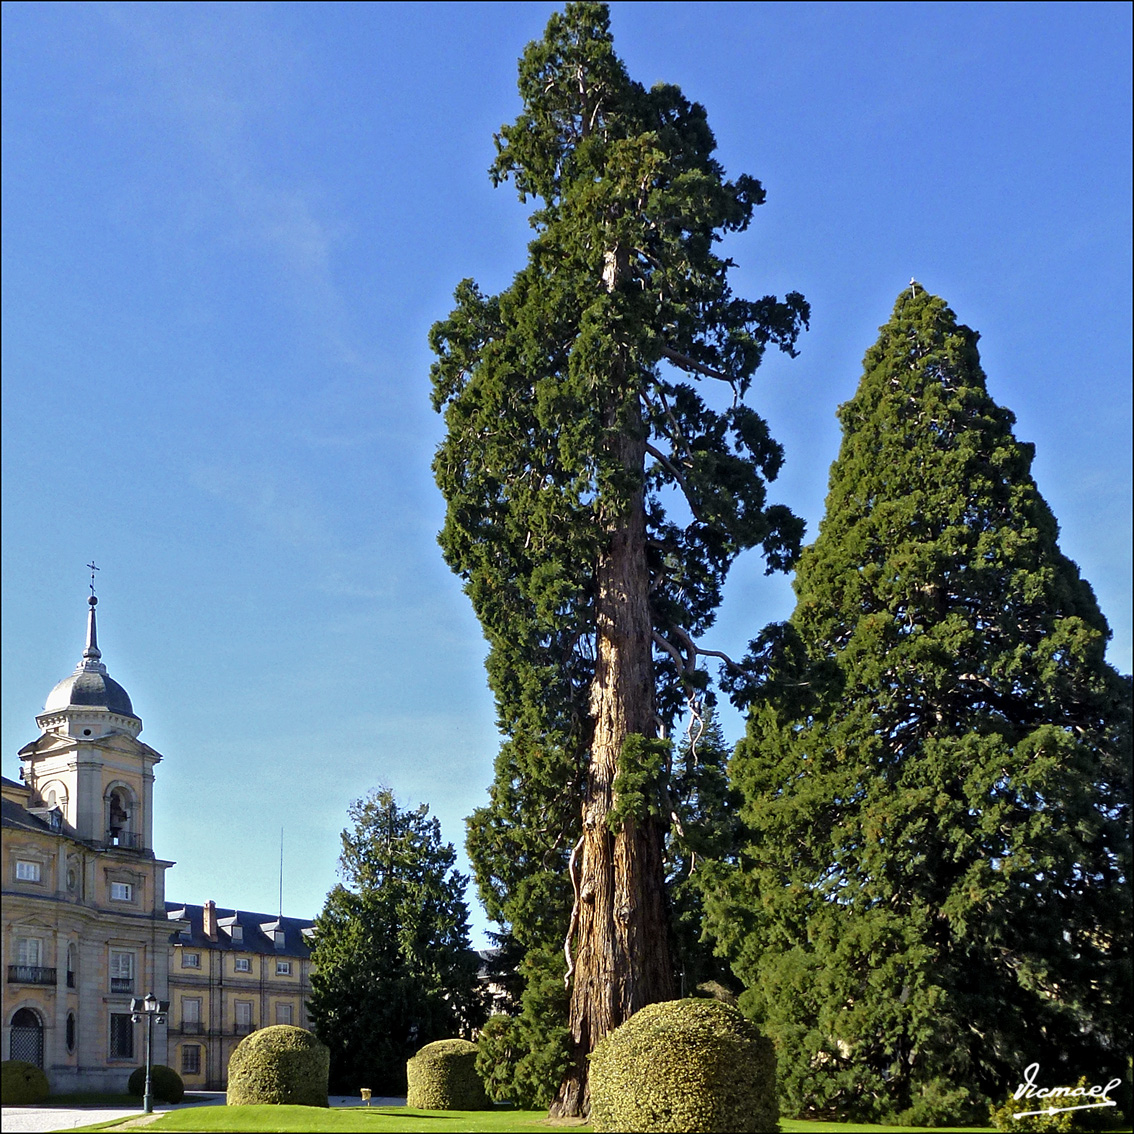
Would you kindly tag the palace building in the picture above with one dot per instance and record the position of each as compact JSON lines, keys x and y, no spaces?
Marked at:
{"x":86,"y":923}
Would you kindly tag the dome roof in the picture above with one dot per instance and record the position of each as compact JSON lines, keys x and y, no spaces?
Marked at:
{"x":89,"y":689}
{"x":90,"y":686}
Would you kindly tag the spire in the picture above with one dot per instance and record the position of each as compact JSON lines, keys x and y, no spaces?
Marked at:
{"x":92,"y":655}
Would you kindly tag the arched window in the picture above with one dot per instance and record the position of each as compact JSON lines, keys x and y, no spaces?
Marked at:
{"x":120,"y":817}
{"x":54,"y":794}
{"x":72,"y":960}
{"x":25,"y":1040}
{"x":70,"y":1031}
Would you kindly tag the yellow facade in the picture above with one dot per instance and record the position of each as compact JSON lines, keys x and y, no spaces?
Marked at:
{"x":86,"y":926}
{"x":230,"y":973}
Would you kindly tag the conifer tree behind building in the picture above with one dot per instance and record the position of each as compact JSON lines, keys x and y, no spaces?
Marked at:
{"x":394,"y":969}
{"x":934,"y":890}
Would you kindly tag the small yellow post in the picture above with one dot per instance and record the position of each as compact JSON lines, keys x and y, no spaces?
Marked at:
{"x":366,"y":1092}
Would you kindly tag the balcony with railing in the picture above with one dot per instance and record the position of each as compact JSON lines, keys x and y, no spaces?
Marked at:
{"x":244,"y":1029}
{"x":121,"y":984}
{"x":124,"y":840}
{"x":30,"y":974}
{"x":190,"y":1028}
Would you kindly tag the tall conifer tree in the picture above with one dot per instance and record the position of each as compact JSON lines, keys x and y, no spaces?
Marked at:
{"x":935,"y":883}
{"x":393,"y":967}
{"x":572,"y":411}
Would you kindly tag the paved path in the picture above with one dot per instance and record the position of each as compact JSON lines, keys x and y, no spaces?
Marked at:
{"x":39,"y":1119}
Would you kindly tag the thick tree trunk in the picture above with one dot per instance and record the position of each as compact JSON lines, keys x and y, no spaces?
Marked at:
{"x":621,"y":952}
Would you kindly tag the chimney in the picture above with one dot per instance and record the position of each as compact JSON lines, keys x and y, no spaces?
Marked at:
{"x":209,"y":920}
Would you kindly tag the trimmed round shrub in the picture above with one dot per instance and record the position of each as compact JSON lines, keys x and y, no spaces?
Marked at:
{"x":685,"y":1065}
{"x":22,"y":1084}
{"x":165,"y":1083}
{"x":281,"y":1065}
{"x":442,"y":1076}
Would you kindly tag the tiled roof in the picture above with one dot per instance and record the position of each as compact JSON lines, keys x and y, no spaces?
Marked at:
{"x":13,"y":815}
{"x":258,"y":935}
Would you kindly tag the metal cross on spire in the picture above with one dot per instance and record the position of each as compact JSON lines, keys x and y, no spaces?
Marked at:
{"x":913,"y":286}
{"x":93,"y":568}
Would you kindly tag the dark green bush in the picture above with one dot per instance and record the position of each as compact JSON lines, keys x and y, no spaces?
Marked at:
{"x":22,"y":1084}
{"x":165,"y":1083}
{"x":685,"y":1065}
{"x":279,"y":1065}
{"x":442,"y":1076}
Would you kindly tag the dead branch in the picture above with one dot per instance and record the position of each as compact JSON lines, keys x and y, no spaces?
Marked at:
{"x":574,"y":913}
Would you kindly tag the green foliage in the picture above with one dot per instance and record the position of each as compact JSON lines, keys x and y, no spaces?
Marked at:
{"x":574,"y":403}
{"x":685,"y":1065}
{"x":1063,"y":1120}
{"x":701,"y":843}
{"x":392,"y":963}
{"x":22,"y":1084}
{"x":522,"y":1058}
{"x":165,"y":1083}
{"x":279,"y":1065}
{"x":935,"y":877}
{"x":639,"y":786}
{"x":443,"y":1076}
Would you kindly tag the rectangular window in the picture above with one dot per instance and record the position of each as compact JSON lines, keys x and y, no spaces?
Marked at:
{"x":191,"y":1059}
{"x":121,"y":892}
{"x":244,"y":1015}
{"x":27,"y":871}
{"x":121,"y":1036}
{"x":191,"y":1010}
{"x":242,"y":965}
{"x":237,"y":932}
{"x":278,"y":937}
{"x":121,"y":971}
{"x":29,"y":951}
{"x":190,"y":960}
{"x":283,"y":968}
{"x":283,"y":1013}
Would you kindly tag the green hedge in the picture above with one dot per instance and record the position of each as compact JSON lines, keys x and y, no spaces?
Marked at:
{"x":442,"y":1076}
{"x":22,"y":1084}
{"x":685,"y":1065}
{"x":279,"y":1065}
{"x":165,"y":1083}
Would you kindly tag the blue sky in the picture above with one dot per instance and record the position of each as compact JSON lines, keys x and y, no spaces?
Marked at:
{"x":228,"y":227}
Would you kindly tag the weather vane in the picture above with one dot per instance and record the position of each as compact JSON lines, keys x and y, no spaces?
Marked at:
{"x":93,"y":568}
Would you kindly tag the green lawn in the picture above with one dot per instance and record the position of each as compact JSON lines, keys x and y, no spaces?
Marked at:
{"x":383,"y":1120}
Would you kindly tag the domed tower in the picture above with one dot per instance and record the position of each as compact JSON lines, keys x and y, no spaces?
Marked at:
{"x":88,"y":762}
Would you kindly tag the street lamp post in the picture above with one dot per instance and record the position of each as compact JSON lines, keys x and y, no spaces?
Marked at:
{"x":153,"y":1011}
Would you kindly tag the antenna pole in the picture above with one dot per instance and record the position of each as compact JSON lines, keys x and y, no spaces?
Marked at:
{"x":281,"y":872}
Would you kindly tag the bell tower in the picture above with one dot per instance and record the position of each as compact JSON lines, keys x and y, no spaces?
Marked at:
{"x":88,"y":762}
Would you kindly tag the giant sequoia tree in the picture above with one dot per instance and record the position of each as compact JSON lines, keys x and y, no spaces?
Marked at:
{"x":935,"y":883}
{"x":572,"y":415}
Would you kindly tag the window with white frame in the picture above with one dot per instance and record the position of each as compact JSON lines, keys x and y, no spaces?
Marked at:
{"x":29,"y":952}
{"x":121,"y":971}
{"x":279,"y":936}
{"x":27,"y":871}
{"x":244,"y":1015}
{"x":283,"y":968}
{"x":190,"y":960}
{"x":283,"y":1013}
{"x":242,"y":965}
{"x":191,"y":1013}
{"x":121,"y":892}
